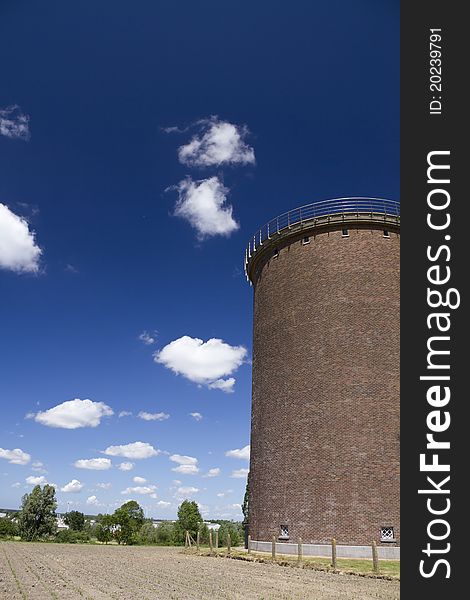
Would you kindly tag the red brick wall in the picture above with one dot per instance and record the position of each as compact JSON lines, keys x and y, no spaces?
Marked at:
{"x":325,"y":415}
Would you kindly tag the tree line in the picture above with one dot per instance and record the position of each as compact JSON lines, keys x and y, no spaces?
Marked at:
{"x":37,"y":521}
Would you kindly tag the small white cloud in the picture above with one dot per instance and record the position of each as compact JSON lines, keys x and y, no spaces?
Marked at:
{"x":196,"y":416}
{"x":186,"y":470}
{"x":139,"y":480}
{"x":243,"y":453}
{"x":18,"y":249}
{"x":126,"y":466}
{"x":14,"y":123}
{"x":224,"y":494}
{"x":17,"y":484}
{"x":217,"y":143}
{"x":147,"y":338}
{"x":187,"y":491}
{"x":124,"y":413}
{"x":146,"y":416}
{"x":187,"y":464}
{"x":73,"y":486}
{"x":39,"y":480}
{"x":103,"y":486}
{"x":15,"y":456}
{"x":203,"y":204}
{"x":226,"y":385}
{"x":148,"y":489}
{"x":240,"y":473}
{"x":38,"y":466}
{"x":92,"y":501}
{"x":74,"y":414}
{"x":182,"y":459}
{"x":154,"y":496}
{"x":163,"y":504}
{"x":135,"y":451}
{"x":215,"y":472}
{"x":202,"y":362}
{"x":94,"y":464}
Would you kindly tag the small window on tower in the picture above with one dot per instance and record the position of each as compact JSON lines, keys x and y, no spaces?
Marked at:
{"x":284,"y":532}
{"x":387,"y":534}
{"x":345,"y":232}
{"x":276,"y":252}
{"x":386,"y":233}
{"x":306,"y":240}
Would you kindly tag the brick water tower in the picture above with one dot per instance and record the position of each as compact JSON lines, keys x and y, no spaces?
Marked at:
{"x":325,"y":409}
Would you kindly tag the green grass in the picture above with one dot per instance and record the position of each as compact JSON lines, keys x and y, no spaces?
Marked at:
{"x":387,"y":568}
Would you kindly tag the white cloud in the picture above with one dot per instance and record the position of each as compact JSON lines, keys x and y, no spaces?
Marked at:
{"x":161,"y":416}
{"x":202,"y":362}
{"x":226,"y":385}
{"x":187,"y":465}
{"x":196,"y":416}
{"x":73,"y":486}
{"x":38,"y":466}
{"x":239,"y":473}
{"x":215,"y":472}
{"x":103,"y":486}
{"x":203,"y":204}
{"x":182,"y":459}
{"x":124,"y":413}
{"x":186,"y":491}
{"x":163,"y":504}
{"x":15,"y":456}
{"x":39,"y":480}
{"x":14,"y":123}
{"x":18,"y":249}
{"x":94,"y":464}
{"x":224,"y":494}
{"x":147,"y":338}
{"x":217,"y":143}
{"x":139,"y":480}
{"x":135,"y":451}
{"x":147,"y":489}
{"x":126,"y":466}
{"x":243,"y":453}
{"x":92,"y":501}
{"x":74,"y":414}
{"x":186,"y":470}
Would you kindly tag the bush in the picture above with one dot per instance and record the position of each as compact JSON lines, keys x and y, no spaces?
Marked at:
{"x":68,"y":536}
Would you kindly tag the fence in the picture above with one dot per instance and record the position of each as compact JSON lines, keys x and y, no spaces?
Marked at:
{"x":326,"y":550}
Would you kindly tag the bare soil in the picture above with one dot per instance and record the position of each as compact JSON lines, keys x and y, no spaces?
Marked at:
{"x":84,"y":572}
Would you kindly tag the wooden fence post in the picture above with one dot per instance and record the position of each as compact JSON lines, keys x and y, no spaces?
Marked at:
{"x":229,"y":543}
{"x":375,"y":557}
{"x":198,"y":539}
{"x":216,"y":539}
{"x":299,"y":550}
{"x":210,"y":539}
{"x":249,"y":543}
{"x":333,"y":554}
{"x":186,"y":540}
{"x":273,"y":548}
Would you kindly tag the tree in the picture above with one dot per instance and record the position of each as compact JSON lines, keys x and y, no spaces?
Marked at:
{"x":246,"y":502}
{"x":128,"y":519}
{"x":8,"y":528}
{"x":75,"y":520}
{"x":37,"y":517}
{"x":104,"y":529}
{"x":189,"y":517}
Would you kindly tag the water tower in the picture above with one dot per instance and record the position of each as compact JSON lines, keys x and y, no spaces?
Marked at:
{"x":325,"y":408}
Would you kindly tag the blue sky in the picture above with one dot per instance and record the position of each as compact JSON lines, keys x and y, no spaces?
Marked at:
{"x":141,"y":145}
